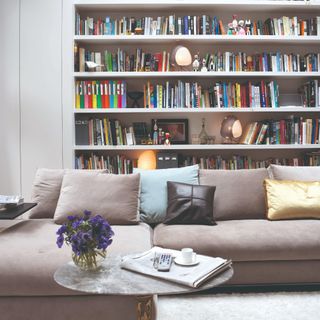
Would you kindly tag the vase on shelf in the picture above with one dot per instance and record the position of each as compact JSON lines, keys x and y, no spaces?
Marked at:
{"x":203,"y":136}
{"x":89,"y":261}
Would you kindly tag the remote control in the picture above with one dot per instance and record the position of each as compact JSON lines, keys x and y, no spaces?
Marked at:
{"x":165,"y":260}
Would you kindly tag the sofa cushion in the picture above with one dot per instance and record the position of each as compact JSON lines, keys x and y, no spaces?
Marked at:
{"x":294,"y":173}
{"x":30,"y":256}
{"x":287,"y":199}
{"x":239,"y":193}
{"x":189,"y":204}
{"x":153,"y":198}
{"x":46,"y":190}
{"x":246,"y":240}
{"x":114,"y":197}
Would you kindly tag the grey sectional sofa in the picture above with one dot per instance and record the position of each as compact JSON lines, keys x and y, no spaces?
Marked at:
{"x":263,"y":252}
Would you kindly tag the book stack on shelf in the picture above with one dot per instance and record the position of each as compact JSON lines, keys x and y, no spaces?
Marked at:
{"x":219,"y":95}
{"x":121,"y":61}
{"x":103,"y":132}
{"x":195,"y":25}
{"x":287,"y":131}
{"x":100,"y":94}
{"x":118,"y":164}
{"x":237,"y":162}
{"x":310,"y":94}
{"x":227,"y":61}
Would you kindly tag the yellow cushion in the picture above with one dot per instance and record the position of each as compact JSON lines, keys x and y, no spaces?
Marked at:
{"x":288,"y":199}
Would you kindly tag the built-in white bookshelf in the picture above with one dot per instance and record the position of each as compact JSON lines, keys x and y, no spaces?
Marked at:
{"x":289,"y":82}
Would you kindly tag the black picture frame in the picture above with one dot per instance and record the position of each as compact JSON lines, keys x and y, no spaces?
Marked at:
{"x":178,"y":129}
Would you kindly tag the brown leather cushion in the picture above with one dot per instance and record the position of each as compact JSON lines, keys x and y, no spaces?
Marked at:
{"x":189,"y":204}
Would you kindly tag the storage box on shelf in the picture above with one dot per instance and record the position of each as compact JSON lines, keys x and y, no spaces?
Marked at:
{"x":285,"y":53}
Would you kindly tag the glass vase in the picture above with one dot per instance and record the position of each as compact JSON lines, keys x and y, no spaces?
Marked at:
{"x":89,"y":261}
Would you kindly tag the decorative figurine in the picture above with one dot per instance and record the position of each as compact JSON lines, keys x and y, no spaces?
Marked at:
{"x":241,"y":28}
{"x":211,"y":63}
{"x":231,"y":30}
{"x":167,"y":139}
{"x":160,"y":136}
{"x":155,"y":132}
{"x":196,"y":63}
{"x":249,"y":63}
{"x":204,"y":67}
{"x":203,"y":136}
{"x":235,"y":24}
{"x":248,"y":27}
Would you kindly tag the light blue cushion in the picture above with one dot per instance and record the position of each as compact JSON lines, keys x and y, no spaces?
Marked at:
{"x":153,"y":190}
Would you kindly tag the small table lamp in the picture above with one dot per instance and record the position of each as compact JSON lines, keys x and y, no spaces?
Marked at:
{"x":231,"y":129}
{"x":181,"y":58}
{"x":147,"y":160}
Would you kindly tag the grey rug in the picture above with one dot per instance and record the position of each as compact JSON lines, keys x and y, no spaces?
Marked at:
{"x":241,"y":306}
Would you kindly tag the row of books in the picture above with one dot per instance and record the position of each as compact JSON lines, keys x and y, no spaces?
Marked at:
{"x":103,"y":132}
{"x":275,"y":62}
{"x":100,"y":94}
{"x":195,"y":25}
{"x":311,"y":94}
{"x":117,"y":164}
{"x":120,"y":164}
{"x":237,"y":162}
{"x":295,"y":130}
{"x":219,"y":95}
{"x":220,"y":61}
{"x":121,"y":61}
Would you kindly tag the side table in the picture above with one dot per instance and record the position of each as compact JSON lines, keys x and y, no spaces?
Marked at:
{"x":113,"y":280}
{"x":14,"y":212}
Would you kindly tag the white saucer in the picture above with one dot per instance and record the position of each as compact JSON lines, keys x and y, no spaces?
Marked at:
{"x":180,"y":262}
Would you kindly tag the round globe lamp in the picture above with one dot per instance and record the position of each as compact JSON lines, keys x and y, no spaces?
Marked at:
{"x":147,"y":160}
{"x":231,"y":129}
{"x":181,"y":58}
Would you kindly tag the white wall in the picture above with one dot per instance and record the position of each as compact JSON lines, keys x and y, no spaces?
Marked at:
{"x":9,"y":98}
{"x":31,"y":59}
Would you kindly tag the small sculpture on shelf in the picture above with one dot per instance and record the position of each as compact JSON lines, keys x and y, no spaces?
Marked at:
{"x":204,"y":67}
{"x":155,"y":132}
{"x":196,"y":63}
{"x":249,"y":63}
{"x":211,"y":63}
{"x":241,"y":28}
{"x":248,"y":27}
{"x":203,"y":136}
{"x":135,"y":96}
{"x":167,"y":139}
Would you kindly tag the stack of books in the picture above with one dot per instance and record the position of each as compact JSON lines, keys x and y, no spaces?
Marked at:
{"x":10,"y":201}
{"x":194,"y":25}
{"x":93,"y":94}
{"x":237,"y":162}
{"x":310,"y":94}
{"x":103,"y":132}
{"x":117,"y":164}
{"x":219,"y":95}
{"x":295,"y":130}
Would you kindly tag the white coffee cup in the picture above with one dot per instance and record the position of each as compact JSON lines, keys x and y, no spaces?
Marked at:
{"x":187,"y":255}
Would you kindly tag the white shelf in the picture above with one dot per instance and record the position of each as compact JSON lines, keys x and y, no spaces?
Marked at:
{"x":247,"y":5}
{"x":192,"y":74}
{"x":200,"y":147}
{"x":196,"y":110}
{"x":196,"y":38}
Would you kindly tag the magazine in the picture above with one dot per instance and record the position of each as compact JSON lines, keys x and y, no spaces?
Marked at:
{"x":192,"y":276}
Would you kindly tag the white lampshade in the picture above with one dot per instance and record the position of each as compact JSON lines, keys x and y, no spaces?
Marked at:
{"x":181,"y":56}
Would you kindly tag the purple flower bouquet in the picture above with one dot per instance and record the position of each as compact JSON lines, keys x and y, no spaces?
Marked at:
{"x":89,"y":236}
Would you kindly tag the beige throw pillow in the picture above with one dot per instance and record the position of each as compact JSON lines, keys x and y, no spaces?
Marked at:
{"x":115,"y":197}
{"x":46,"y":190}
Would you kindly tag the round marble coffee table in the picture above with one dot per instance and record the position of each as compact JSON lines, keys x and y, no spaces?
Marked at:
{"x":113,"y":280}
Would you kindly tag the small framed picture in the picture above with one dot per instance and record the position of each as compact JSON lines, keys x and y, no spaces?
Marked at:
{"x":177,"y":128}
